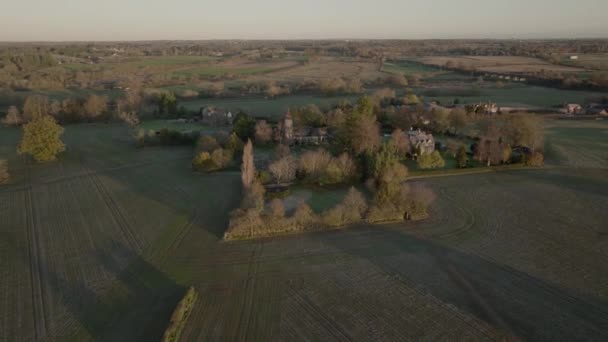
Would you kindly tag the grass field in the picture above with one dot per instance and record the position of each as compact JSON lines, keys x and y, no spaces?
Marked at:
{"x":500,"y":64}
{"x":103,"y":243}
{"x":517,"y":95}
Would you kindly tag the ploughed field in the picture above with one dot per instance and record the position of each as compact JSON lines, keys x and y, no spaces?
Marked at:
{"x":102,"y":244}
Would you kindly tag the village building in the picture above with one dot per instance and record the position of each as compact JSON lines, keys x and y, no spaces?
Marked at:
{"x":421,"y":142}
{"x":213,"y":116}
{"x":288,"y":134}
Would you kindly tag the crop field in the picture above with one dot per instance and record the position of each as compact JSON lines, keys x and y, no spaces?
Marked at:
{"x":102,"y":244}
{"x":500,"y":64}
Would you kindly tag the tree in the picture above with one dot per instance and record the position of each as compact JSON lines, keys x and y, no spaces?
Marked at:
{"x":4,"y":175}
{"x":525,"y":130}
{"x":248,"y":166}
{"x":95,"y":106}
{"x":35,"y":106}
{"x":312,"y":164}
{"x":431,"y":161}
{"x":283,"y":170}
{"x":354,"y":205}
{"x":365,"y":135}
{"x":309,"y":115}
{"x":244,"y":126}
{"x":263,"y":132}
{"x":458,"y":119}
{"x":13,"y":117}
{"x":42,"y":139}
{"x":440,"y":120}
{"x":167,"y":104}
{"x":461,"y":157}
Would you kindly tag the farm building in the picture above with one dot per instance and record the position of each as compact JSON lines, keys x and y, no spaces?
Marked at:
{"x":573,"y":108}
{"x":215,"y":117}
{"x":421,"y":141}
{"x":573,"y":57}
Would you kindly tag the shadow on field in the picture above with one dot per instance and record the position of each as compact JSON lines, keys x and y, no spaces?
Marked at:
{"x":136,"y":307}
{"x":509,"y":300}
{"x":591,"y":181}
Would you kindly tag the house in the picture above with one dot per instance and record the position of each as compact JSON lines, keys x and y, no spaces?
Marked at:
{"x":285,"y":133}
{"x":573,"y":108}
{"x":489,"y":108}
{"x":215,"y":117}
{"x":421,"y":142}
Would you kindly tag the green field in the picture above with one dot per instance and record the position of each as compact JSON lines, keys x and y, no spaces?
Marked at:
{"x":516,"y":95}
{"x":102,"y":244}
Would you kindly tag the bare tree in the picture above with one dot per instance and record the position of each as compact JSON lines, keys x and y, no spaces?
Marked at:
{"x":35,"y":106}
{"x":13,"y":117}
{"x":283,"y":170}
{"x":263,"y":132}
{"x":366,"y":135}
{"x":400,"y":141}
{"x":95,"y":105}
{"x":248,"y":166}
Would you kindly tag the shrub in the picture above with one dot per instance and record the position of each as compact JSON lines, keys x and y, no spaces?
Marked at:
{"x":4,"y":175}
{"x":535,"y":159}
{"x":13,"y":117}
{"x":304,"y":216}
{"x":277,"y":209}
{"x":462,"y":158}
{"x":431,"y":161}
{"x":42,"y":139}
{"x":207,"y":144}
{"x":180,"y":316}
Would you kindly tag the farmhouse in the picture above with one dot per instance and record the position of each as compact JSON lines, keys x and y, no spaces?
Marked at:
{"x":215,"y":117}
{"x":287,"y":134}
{"x":421,"y":142}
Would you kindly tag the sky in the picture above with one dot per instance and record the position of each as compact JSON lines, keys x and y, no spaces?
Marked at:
{"x":78,"y":20}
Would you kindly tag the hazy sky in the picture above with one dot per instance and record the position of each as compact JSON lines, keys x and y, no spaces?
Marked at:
{"x":283,"y":19}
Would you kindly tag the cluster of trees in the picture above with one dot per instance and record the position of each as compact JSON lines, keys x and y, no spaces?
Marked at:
{"x":393,"y":199}
{"x":90,"y":109}
{"x":315,"y":167}
{"x":500,"y":134}
{"x":216,"y":152}
{"x":93,"y":108}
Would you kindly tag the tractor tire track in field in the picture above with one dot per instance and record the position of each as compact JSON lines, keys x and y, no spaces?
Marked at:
{"x":329,"y":325}
{"x":116,"y":213}
{"x":250,"y":289}
{"x":37,"y":272}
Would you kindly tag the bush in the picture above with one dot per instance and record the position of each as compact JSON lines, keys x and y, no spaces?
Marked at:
{"x":431,"y":161}
{"x":180,"y":316}
{"x":42,"y":139}
{"x":535,"y":159}
{"x":4,"y":175}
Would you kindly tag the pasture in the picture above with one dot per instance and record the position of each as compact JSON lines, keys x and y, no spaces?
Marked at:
{"x":102,"y":244}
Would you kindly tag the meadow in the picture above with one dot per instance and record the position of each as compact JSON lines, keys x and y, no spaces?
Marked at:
{"x":102,"y":244}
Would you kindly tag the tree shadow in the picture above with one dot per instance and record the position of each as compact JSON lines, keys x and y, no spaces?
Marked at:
{"x":512,"y":301}
{"x":136,"y":307}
